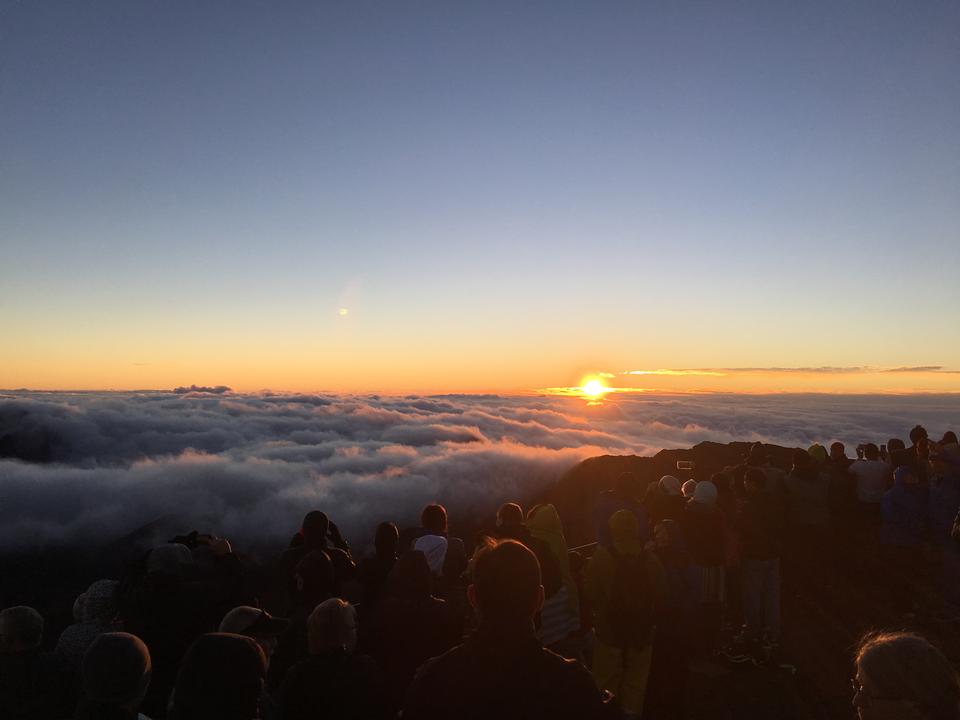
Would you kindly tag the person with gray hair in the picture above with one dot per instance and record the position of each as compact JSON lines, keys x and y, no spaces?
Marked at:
{"x":901,"y":676}
{"x":115,"y":676}
{"x":333,"y":681}
{"x":33,"y":685}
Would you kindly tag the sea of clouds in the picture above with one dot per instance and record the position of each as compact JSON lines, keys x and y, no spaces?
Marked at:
{"x":91,"y":467}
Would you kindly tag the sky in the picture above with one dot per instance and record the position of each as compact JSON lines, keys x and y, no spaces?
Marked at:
{"x":438,"y":197}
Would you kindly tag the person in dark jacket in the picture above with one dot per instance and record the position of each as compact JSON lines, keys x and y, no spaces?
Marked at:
{"x":502,"y":671}
{"x":220,"y":678}
{"x":760,"y":526}
{"x":625,"y":495}
{"x":317,"y":533}
{"x":411,"y":625}
{"x":510,"y":526}
{"x":445,"y":554}
{"x":704,"y":533}
{"x":333,"y":682}
{"x":116,"y":674}
{"x":372,"y":572}
{"x":34,"y":685}
{"x":663,"y":500}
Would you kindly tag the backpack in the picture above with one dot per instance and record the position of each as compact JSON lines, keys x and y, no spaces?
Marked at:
{"x":630,"y":611}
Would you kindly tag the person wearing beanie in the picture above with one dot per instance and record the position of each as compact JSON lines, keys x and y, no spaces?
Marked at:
{"x":115,"y":675}
{"x":704,"y":531}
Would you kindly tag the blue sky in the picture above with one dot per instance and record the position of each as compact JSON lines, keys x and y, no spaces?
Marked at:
{"x":609,"y":184}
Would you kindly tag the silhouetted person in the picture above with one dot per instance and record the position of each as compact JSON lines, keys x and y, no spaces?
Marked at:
{"x":901,"y":676}
{"x":760,"y":524}
{"x":758,"y":458}
{"x":902,"y":535}
{"x":445,"y":554}
{"x":704,"y":532}
{"x":314,"y":584}
{"x":626,"y":495}
{"x":511,"y":526}
{"x":220,"y":678}
{"x":372,"y":572}
{"x":843,"y":491}
{"x":317,"y":533}
{"x":872,"y":477}
{"x":667,"y":683}
{"x":411,"y":625}
{"x":98,"y":613}
{"x":33,"y":685}
{"x":806,"y":493}
{"x":502,"y":671}
{"x":333,"y":682}
{"x":116,"y":673}
{"x":664,"y":500}
{"x":626,"y":586}
{"x":560,"y":615}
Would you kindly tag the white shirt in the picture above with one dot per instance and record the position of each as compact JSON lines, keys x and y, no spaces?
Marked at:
{"x":873,"y":478}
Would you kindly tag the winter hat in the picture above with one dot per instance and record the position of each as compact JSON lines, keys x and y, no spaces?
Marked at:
{"x":689,"y":487}
{"x":706,"y":493}
{"x":818,"y":453}
{"x":670,"y":485}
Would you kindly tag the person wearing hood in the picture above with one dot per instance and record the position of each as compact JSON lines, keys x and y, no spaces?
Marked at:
{"x":626,"y":586}
{"x":560,"y":616}
{"x":511,"y":526}
{"x":98,"y":614}
{"x":625,"y":495}
{"x":664,"y":500}
{"x":667,"y":684}
{"x":115,"y":676}
{"x":411,"y":625}
{"x":704,"y":532}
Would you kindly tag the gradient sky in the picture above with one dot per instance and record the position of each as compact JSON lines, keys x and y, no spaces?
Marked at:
{"x":504,"y":196}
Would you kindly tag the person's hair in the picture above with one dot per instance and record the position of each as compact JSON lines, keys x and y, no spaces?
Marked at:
{"x":316,"y":524}
{"x":220,"y":678}
{"x":116,"y":670}
{"x":895,"y":444}
{"x":871,"y":451}
{"x":332,"y":626}
{"x":23,"y":625}
{"x":838,"y":448}
{"x":917,"y":434}
{"x":387,"y":539}
{"x":506,"y":578}
{"x":801,"y":458}
{"x":510,"y":514}
{"x":755,"y":477}
{"x":949,"y":437}
{"x":905,"y":666}
{"x":434,"y":518}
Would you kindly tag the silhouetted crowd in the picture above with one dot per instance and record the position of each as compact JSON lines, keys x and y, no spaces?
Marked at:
{"x":515,"y":625}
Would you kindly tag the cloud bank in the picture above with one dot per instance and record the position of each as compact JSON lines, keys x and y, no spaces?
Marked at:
{"x":90,"y":467}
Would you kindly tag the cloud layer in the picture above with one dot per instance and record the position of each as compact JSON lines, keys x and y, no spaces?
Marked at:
{"x":89,"y":467}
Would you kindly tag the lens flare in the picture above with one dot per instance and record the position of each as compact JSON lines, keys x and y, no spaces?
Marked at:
{"x":593,"y":388}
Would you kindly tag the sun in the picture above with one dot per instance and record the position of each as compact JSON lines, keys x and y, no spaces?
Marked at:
{"x":593,"y":388}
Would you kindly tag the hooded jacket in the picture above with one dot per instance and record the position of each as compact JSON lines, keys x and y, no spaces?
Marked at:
{"x":903,"y":508}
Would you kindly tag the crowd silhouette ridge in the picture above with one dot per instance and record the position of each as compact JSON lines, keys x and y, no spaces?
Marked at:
{"x":684,"y":578}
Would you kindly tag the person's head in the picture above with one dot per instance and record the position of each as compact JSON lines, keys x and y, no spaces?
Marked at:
{"x":625,"y":532}
{"x":434,"y":519}
{"x":669,"y":485}
{"x":410,"y":578}
{"x":100,"y":603}
{"x":902,"y":676}
{"x":871,"y":451}
{"x":721,"y":481}
{"x":917,"y":434}
{"x":331,"y":627}
{"x":895,"y":444}
{"x":705,"y":494}
{"x":509,"y":514}
{"x":169,"y":560}
{"x":817,"y":453}
{"x":316,"y":525}
{"x":314,"y":577}
{"x":505,"y":588}
{"x":838,"y":451}
{"x":21,"y":630}
{"x":689,"y":488}
{"x":387,"y":539}
{"x":801,"y":459}
{"x":257,"y":624}
{"x":116,"y":671}
{"x":758,"y":455}
{"x":220,"y":678}
{"x":755,"y":480}
{"x":949,"y":438}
